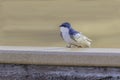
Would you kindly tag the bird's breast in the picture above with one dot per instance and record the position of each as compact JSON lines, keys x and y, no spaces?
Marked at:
{"x":65,"y":34}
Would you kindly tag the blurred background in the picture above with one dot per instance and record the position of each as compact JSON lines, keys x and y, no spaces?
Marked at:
{"x":35,"y":22}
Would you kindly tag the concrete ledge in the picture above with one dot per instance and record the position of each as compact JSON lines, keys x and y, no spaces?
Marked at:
{"x":60,"y":56}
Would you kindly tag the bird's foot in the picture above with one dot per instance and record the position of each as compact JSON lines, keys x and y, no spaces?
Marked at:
{"x":78,"y":46}
{"x":73,"y":46}
{"x":69,"y":46}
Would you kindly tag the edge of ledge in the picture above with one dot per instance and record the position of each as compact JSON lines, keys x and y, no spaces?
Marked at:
{"x":60,"y":56}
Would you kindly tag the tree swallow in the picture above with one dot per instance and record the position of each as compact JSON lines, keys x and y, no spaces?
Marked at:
{"x":73,"y":37}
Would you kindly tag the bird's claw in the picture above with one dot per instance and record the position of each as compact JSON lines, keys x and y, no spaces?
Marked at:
{"x":68,"y":46}
{"x":73,"y":46}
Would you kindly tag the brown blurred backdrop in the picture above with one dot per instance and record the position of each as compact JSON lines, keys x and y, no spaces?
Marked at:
{"x":35,"y":22}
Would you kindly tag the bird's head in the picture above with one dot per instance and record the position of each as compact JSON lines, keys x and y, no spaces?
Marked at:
{"x":66,"y":25}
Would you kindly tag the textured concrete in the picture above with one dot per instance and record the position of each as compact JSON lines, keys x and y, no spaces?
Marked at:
{"x":37,"y":72}
{"x":60,"y":56}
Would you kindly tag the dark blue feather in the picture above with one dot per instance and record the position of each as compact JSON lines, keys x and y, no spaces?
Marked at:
{"x":72,"y":31}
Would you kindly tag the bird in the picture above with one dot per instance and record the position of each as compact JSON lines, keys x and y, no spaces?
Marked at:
{"x":73,"y":38}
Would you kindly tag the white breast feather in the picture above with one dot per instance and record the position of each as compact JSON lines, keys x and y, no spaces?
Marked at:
{"x":66,"y":36}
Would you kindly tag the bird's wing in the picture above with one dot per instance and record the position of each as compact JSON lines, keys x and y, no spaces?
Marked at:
{"x":79,"y":36}
{"x":74,"y":34}
{"x":75,"y":37}
{"x":86,"y":38}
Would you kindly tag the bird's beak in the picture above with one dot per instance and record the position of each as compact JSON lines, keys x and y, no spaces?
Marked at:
{"x":60,"y":26}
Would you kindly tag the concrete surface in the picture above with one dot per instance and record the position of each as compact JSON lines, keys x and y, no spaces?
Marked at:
{"x":60,"y":56}
{"x":38,"y":72}
{"x":59,"y":63}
